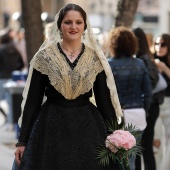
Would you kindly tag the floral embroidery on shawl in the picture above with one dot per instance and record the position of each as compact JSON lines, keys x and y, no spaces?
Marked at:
{"x":70,"y":83}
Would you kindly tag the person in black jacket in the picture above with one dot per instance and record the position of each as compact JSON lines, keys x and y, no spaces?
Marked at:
{"x":10,"y":60}
{"x":157,"y":98}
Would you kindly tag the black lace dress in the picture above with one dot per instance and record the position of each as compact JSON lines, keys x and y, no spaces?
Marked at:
{"x":65,"y":133}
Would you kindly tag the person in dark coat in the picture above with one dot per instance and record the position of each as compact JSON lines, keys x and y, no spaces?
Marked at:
{"x":157,"y":98}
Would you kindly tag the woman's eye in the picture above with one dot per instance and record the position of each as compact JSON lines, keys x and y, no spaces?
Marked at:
{"x":67,"y":22}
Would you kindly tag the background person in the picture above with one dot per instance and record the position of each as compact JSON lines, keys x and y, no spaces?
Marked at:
{"x":10,"y":60}
{"x":157,"y":98}
{"x":162,"y":53}
{"x":131,"y":78}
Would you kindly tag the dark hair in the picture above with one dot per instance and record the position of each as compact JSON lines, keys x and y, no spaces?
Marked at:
{"x":122,"y":41}
{"x":5,"y":39}
{"x":166,"y":39}
{"x":70,"y":7}
{"x":143,"y":47}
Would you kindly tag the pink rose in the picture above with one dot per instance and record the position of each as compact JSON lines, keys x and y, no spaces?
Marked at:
{"x":120,"y":139}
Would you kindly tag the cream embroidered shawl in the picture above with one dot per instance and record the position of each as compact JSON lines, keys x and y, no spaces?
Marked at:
{"x":70,"y":83}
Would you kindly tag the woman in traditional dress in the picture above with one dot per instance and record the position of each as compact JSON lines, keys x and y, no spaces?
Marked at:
{"x":65,"y":131}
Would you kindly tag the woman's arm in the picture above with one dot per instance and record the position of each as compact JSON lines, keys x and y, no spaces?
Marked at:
{"x":102,"y":97}
{"x":32,"y":105}
{"x":31,"y":109}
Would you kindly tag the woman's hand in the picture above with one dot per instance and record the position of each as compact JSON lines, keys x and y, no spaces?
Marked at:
{"x":19,"y":153}
{"x":162,"y":67}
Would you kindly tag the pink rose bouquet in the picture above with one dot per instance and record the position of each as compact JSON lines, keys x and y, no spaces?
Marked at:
{"x":120,"y":139}
{"x":119,"y":146}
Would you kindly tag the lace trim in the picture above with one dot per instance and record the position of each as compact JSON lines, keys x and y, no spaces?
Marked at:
{"x":70,"y":83}
{"x":72,"y":65}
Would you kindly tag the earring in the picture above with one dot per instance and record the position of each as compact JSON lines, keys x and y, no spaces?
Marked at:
{"x":61,"y":35}
{"x":83,"y":35}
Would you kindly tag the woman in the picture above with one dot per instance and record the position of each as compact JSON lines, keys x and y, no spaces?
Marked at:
{"x":131,"y":78}
{"x":65,"y":132}
{"x":162,"y":56}
{"x":148,"y":134}
{"x":10,"y":60}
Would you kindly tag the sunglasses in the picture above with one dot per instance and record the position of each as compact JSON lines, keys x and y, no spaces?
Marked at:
{"x":161,"y":44}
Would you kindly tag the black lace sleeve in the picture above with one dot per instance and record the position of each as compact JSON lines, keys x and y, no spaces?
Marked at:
{"x":32,"y":105}
{"x":102,"y":97}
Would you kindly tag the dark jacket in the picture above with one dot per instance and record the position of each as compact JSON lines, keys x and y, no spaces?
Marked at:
{"x":158,"y":97}
{"x":132,"y":82}
{"x":152,"y":69}
{"x":10,"y":60}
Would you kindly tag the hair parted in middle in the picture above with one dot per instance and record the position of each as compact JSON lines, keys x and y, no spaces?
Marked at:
{"x":68,"y":8}
{"x":122,"y":41}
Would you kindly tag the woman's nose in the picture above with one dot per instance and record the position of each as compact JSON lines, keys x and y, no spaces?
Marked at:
{"x":73,"y":25}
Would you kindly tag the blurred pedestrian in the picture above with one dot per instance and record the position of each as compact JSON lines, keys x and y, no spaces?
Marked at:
{"x":10,"y":60}
{"x":131,"y":77}
{"x":20,"y":44}
{"x":162,"y":54}
{"x":157,"y":98}
{"x":6,"y":19}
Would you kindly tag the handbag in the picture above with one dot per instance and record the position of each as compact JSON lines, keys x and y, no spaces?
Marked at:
{"x":161,"y":84}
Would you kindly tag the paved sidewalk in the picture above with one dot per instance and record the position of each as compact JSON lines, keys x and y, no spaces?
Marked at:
{"x":7,"y":148}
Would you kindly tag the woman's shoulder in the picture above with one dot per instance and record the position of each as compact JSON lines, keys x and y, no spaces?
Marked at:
{"x":139,"y":61}
{"x":89,"y":49}
{"x":90,"y":52}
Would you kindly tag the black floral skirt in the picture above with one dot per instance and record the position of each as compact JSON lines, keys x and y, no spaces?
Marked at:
{"x":65,"y":137}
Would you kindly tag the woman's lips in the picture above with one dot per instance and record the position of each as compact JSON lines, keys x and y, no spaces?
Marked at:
{"x":72,"y":32}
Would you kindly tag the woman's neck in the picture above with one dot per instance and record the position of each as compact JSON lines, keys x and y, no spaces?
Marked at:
{"x":71,"y":46}
{"x":72,"y":50}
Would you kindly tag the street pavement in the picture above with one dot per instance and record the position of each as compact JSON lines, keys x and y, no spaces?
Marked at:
{"x":7,"y":148}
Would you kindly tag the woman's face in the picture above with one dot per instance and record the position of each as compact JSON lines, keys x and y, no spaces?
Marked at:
{"x":161,"y":48}
{"x":72,"y":26}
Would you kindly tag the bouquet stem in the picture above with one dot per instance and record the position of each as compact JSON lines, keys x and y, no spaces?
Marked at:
{"x":123,"y":164}
{"x":123,"y":167}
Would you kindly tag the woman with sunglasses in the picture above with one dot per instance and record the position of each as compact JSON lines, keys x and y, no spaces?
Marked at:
{"x":162,"y":56}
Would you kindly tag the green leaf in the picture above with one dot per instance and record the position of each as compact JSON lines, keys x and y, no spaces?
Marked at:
{"x":103,"y":155}
{"x":112,"y":126}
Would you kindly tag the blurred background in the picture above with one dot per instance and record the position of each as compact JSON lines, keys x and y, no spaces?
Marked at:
{"x":151,"y":15}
